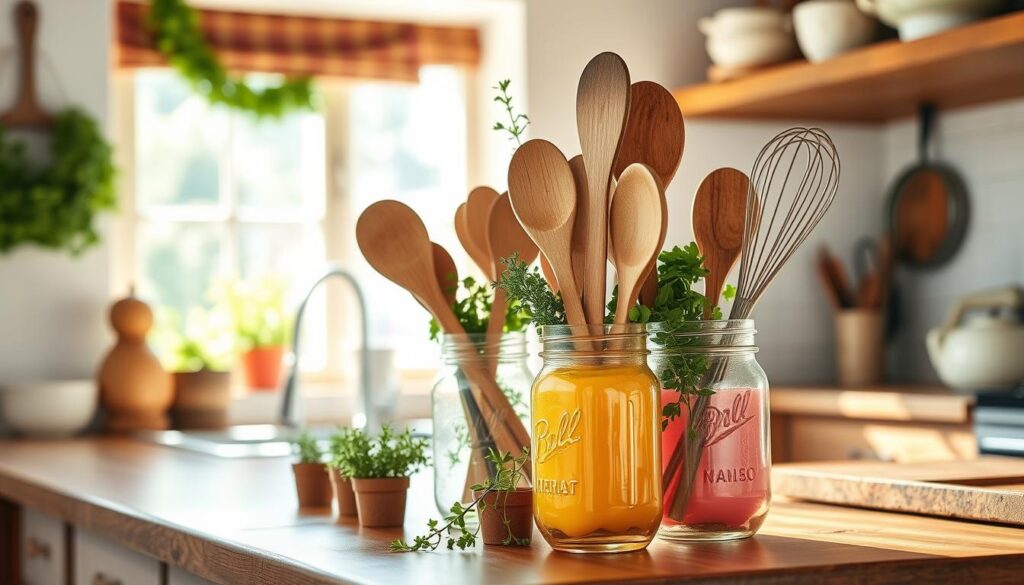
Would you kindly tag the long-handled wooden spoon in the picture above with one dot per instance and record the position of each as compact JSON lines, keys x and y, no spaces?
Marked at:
{"x":602,"y":104}
{"x":394,"y":241}
{"x":478,"y":214}
{"x":637,"y":204}
{"x":543,"y":196}
{"x":446,"y":272}
{"x":506,"y":238}
{"x":718,"y":210}
{"x":579,"y":230}
{"x":478,"y":256}
{"x":549,"y":274}
{"x":655,"y":136}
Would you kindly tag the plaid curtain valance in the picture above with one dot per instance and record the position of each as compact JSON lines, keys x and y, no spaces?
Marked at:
{"x":306,"y":46}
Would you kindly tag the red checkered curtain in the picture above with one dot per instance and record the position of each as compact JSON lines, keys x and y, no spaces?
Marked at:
{"x":306,"y":46}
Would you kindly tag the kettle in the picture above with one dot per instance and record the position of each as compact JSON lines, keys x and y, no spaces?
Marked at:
{"x":985,"y":352}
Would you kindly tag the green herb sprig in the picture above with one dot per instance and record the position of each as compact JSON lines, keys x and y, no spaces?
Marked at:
{"x":508,"y":476}
{"x":528,"y":289}
{"x":473,"y":310}
{"x":389,"y":454}
{"x":517,"y":122}
{"x":307,"y":449}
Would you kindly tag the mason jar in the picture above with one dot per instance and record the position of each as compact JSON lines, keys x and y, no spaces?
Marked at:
{"x":596,"y":440}
{"x":461,"y":439}
{"x":715,"y":445}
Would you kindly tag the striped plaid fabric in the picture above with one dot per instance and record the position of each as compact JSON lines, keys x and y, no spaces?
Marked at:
{"x":306,"y":46}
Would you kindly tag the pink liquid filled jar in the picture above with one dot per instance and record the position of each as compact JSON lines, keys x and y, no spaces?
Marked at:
{"x":715,"y":440}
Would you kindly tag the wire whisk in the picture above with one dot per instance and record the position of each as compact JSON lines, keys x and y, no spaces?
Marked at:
{"x":792,"y":184}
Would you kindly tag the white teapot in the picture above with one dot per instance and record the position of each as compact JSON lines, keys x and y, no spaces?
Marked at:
{"x":985,"y":352}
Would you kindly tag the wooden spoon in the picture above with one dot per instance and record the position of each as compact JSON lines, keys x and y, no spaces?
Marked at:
{"x":462,"y":231}
{"x":478,"y":214}
{"x":506,"y":238}
{"x":602,"y":104}
{"x":638,"y":204}
{"x":655,"y":136}
{"x":718,"y":210}
{"x":579,"y":230}
{"x":446,"y":271}
{"x":394,"y":241}
{"x":543,"y":196}
{"x":549,"y":274}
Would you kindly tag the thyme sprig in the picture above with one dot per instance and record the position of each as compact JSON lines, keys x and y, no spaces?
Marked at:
{"x":509,"y":474}
{"x":527,"y":289}
{"x":517,"y":122}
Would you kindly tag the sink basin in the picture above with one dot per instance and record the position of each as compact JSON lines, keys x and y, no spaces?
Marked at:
{"x":244,"y":441}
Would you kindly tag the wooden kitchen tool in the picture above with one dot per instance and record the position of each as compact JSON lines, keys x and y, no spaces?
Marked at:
{"x":134,"y":388}
{"x":506,"y":238}
{"x":718,"y":212}
{"x":549,"y":274}
{"x":446,"y":272}
{"x":478,"y":214}
{"x":27,"y":111}
{"x":654,"y":136}
{"x":478,"y":256}
{"x":543,"y":196}
{"x":602,"y":105}
{"x":579,"y":230}
{"x":394,"y":241}
{"x":987,"y":489}
{"x":637,"y":204}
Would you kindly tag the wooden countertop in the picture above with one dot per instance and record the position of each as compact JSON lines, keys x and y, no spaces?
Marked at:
{"x":235,"y":521}
{"x":891,"y":403}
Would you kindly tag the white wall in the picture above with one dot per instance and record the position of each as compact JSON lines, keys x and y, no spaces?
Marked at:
{"x":52,"y":306}
{"x":985,"y":145}
{"x":659,"y":41}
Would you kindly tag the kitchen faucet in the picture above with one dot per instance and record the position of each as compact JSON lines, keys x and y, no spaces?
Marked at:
{"x":288,"y":415}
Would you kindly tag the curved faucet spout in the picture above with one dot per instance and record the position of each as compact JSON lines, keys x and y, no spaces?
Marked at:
{"x":290,"y":394}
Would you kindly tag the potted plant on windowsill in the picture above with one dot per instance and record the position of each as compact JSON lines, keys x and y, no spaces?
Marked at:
{"x":199,"y":356}
{"x":261,"y":327}
{"x":380,"y":468}
{"x":342,"y":443}
{"x":505,"y":510}
{"x":311,"y":484}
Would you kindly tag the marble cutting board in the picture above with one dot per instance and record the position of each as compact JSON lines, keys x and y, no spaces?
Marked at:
{"x":988,"y":489}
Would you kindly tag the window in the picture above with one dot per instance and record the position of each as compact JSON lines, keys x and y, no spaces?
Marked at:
{"x":215,"y":194}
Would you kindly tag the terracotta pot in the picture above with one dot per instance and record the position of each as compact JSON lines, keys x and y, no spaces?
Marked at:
{"x":262,"y":366}
{"x":312,"y":485}
{"x":516,"y":506}
{"x":201,"y":399}
{"x":341,"y":487}
{"x":381,"y":502}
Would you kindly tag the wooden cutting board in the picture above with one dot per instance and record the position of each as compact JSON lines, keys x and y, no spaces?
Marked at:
{"x":989,"y":489}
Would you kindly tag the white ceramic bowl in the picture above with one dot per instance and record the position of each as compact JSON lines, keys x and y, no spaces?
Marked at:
{"x":920,"y":18}
{"x":826,"y":28}
{"x":48,"y":409}
{"x":748,"y":37}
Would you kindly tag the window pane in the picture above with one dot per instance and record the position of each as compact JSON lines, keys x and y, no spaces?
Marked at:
{"x":178,"y":262}
{"x":179,"y":139}
{"x":408,"y":142}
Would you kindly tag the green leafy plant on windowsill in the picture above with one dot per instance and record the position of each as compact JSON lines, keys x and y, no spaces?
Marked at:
{"x":257,"y":309}
{"x":454,"y":531}
{"x":203,"y":341}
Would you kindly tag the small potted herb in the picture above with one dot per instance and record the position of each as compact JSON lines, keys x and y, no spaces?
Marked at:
{"x":342,"y":443}
{"x":311,"y":483}
{"x":380,"y":468}
{"x":261,"y":327}
{"x":504,"y":508}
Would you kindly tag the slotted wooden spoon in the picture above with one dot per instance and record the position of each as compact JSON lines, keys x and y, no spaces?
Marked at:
{"x":637,"y":204}
{"x":718,"y":210}
{"x":543,"y":196}
{"x":602,"y":104}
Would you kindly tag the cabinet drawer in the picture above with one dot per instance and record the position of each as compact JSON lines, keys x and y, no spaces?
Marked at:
{"x":829,"y":439}
{"x":176,"y":576}
{"x":101,"y":562}
{"x":43,"y":549}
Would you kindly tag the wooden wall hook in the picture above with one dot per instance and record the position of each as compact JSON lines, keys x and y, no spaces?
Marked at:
{"x":27,"y":111}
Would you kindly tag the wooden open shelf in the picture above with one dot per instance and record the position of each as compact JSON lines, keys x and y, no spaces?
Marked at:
{"x":973,"y":64}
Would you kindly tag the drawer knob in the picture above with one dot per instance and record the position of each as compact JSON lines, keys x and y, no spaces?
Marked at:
{"x":101,"y":579}
{"x":37,"y":549}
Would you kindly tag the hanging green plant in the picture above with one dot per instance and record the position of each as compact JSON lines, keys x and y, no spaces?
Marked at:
{"x":178,"y":37}
{"x":54,"y":206}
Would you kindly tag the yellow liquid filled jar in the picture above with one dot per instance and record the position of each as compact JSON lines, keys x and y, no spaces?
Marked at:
{"x":596,"y":440}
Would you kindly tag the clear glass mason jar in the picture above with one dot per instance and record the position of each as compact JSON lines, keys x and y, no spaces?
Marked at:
{"x":716,"y":450}
{"x":460,"y":438}
{"x":596,"y":440}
